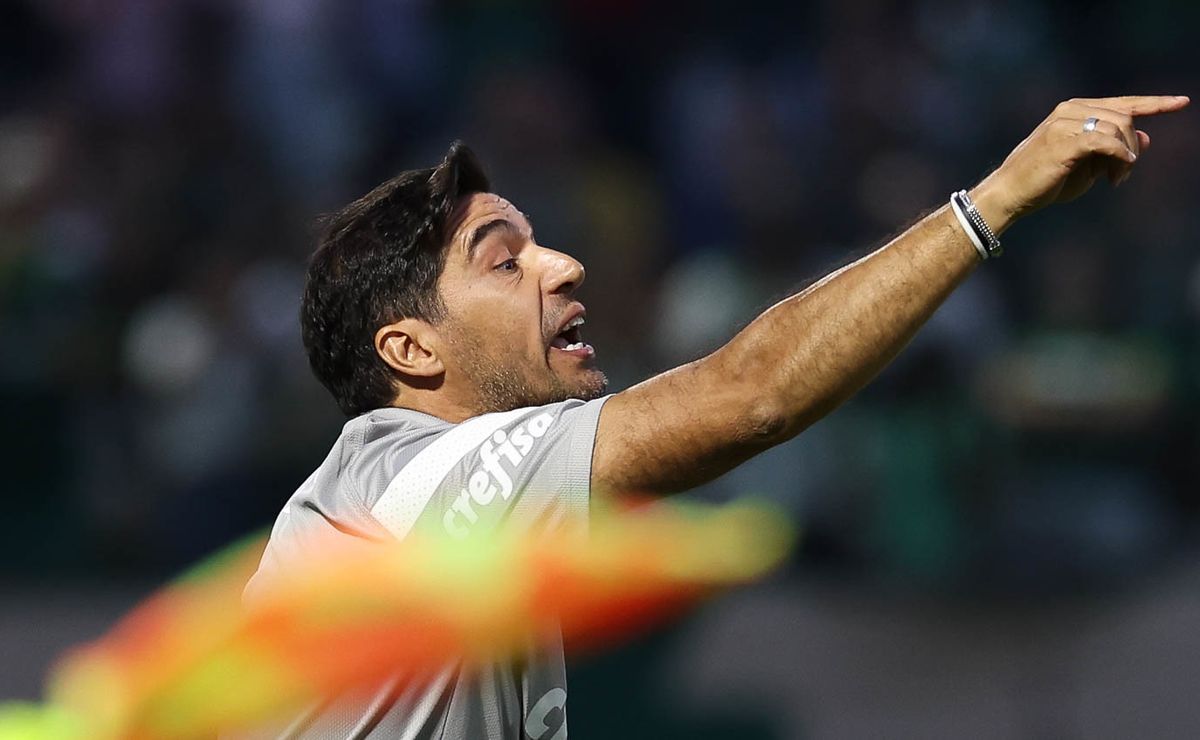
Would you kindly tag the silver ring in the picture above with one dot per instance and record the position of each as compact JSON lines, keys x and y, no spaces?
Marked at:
{"x":1090,"y":124}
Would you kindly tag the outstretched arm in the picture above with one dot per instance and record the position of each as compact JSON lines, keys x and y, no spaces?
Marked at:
{"x":806,"y":355}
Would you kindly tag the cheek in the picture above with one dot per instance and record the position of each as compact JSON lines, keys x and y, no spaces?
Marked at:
{"x":519,"y":323}
{"x":504,"y":323}
{"x":506,"y":334}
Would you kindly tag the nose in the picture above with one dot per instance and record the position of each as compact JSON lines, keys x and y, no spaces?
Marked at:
{"x":561,"y":273}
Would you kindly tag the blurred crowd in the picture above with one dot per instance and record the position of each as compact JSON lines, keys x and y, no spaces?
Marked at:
{"x":162,"y":165}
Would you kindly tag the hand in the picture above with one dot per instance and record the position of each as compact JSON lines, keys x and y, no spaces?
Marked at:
{"x":1060,"y":161}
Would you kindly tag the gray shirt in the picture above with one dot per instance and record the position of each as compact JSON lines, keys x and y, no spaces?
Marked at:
{"x":393,"y":471}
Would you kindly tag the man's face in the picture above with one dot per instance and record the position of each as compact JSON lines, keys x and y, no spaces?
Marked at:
{"x":513,"y":327}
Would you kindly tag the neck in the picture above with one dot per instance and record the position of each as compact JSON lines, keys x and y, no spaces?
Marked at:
{"x":439,"y":403}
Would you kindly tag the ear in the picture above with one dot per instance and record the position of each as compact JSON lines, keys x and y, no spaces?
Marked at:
{"x":409,"y":347}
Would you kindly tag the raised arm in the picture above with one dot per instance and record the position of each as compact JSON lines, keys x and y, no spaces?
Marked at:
{"x":806,"y":355}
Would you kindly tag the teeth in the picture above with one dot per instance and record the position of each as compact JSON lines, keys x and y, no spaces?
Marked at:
{"x":577,"y":321}
{"x":574,"y":346}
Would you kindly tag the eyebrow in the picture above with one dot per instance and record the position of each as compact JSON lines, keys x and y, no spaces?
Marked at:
{"x":484,"y":231}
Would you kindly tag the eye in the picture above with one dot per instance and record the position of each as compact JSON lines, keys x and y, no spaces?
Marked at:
{"x":508,"y":265}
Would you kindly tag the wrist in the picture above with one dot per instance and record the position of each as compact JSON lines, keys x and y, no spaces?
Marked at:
{"x":993,"y":204}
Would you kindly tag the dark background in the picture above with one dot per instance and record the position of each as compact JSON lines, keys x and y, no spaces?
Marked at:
{"x":999,"y":534}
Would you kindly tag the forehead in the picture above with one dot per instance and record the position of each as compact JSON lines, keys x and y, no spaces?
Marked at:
{"x":477,"y":209}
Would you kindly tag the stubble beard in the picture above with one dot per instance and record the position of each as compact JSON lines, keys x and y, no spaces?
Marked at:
{"x":501,"y":385}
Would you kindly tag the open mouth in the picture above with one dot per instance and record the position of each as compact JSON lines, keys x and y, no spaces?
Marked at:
{"x":570,"y":339}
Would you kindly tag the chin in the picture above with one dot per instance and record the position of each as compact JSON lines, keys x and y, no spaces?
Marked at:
{"x":507,"y":388}
{"x":584,"y":385}
{"x":593,"y":384}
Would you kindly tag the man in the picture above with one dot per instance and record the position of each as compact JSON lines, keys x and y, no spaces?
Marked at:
{"x":454,"y":341}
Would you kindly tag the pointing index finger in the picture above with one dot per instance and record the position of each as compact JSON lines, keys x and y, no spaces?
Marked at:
{"x":1140,"y":105}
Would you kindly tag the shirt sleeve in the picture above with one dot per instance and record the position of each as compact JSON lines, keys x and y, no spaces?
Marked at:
{"x":523,"y":469}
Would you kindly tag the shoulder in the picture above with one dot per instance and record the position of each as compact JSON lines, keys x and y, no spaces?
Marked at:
{"x":394,"y":438}
{"x":481,"y":469}
{"x":380,"y":443}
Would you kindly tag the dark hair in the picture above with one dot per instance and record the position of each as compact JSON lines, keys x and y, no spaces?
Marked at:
{"x":378,"y":261}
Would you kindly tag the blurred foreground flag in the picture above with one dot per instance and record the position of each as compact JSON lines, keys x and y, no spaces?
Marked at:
{"x":191,"y":662}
